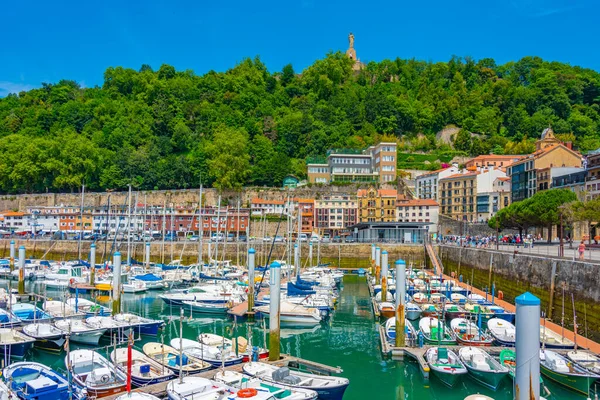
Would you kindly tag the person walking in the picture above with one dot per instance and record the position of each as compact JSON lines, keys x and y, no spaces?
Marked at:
{"x":581,"y":249}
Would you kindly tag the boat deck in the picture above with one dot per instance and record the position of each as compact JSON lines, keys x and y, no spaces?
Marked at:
{"x":240,"y":310}
{"x":160,"y":389}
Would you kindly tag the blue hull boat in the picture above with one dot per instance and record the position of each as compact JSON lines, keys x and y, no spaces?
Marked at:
{"x":29,"y":313}
{"x":8,"y":320}
{"x":14,"y":344}
{"x":34,"y":381}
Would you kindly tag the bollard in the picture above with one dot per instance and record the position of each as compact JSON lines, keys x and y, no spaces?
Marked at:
{"x":400,"y":300}
{"x":93,"y":264}
{"x":527,"y":373}
{"x":21,"y":269}
{"x":251,"y":265}
{"x":12,"y":255}
{"x":147,"y":256}
{"x":116,"y":284}
{"x":384,"y":274}
{"x":274,"y":289}
{"x":377,"y":265}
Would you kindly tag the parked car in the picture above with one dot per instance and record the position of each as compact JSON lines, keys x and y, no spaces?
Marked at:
{"x":243,"y":238}
{"x":303,"y":237}
{"x":279,"y":239}
{"x":217,"y":238}
{"x":267,"y":239}
{"x":231,"y":237}
{"x":350,"y":239}
{"x":325,"y":239}
{"x":337,"y":239}
{"x":170,"y":237}
{"x":193,"y":238}
{"x":147,"y":238}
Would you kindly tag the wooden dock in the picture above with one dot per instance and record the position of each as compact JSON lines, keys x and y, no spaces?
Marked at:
{"x":240,"y":310}
{"x":160,"y":389}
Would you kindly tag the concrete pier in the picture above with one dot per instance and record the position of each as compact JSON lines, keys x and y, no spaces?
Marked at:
{"x":384,"y":275}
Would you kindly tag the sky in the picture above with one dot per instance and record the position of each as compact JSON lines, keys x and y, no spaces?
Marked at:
{"x":46,"y":41}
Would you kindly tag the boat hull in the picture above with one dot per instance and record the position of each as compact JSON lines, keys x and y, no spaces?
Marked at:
{"x":91,"y":338}
{"x":473,"y":343}
{"x":576,"y":383}
{"x":487,"y":378}
{"x":52,"y":345}
{"x":141,"y":382}
{"x":16,"y":350}
{"x":413,"y":314}
{"x":296,"y":320}
{"x":447,"y":378}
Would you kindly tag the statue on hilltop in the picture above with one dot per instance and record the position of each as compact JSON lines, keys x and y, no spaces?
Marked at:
{"x":351,"y":40}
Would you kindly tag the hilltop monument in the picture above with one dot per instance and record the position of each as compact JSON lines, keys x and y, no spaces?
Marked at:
{"x":351,"y":53}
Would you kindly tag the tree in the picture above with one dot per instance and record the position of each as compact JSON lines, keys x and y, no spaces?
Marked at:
{"x":543,"y":207}
{"x":229,"y":162}
{"x":587,"y":211}
{"x":462,"y":141}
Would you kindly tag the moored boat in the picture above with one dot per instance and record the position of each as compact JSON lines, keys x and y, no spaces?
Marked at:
{"x":29,"y":313}
{"x":144,"y":370}
{"x":46,"y":336}
{"x":14,"y":343}
{"x":79,"y":331}
{"x":244,"y":350}
{"x":409,"y":330}
{"x":483,"y":367}
{"x":293,"y":315}
{"x":445,"y":365}
{"x":144,"y":326}
{"x":35,"y":381}
{"x":560,"y":370}
{"x":412,"y":311}
{"x":276,"y":389}
{"x":327,"y":387}
{"x":553,"y":340}
{"x":504,"y":332}
{"x":469,"y":334}
{"x":170,"y":358}
{"x":586,"y":359}
{"x":197,"y":388}
{"x":429,"y":310}
{"x":95,"y":373}
{"x":8,"y":320}
{"x":435,"y":331}
{"x":89,"y":307}
{"x":215,"y":355}
{"x":386,"y":309}
{"x":206,"y":308}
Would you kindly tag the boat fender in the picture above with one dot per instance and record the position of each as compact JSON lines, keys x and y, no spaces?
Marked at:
{"x":500,"y":295}
{"x":247,"y":393}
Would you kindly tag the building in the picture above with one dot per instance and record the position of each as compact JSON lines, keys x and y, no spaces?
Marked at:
{"x":390,"y":232}
{"x":592,"y":182}
{"x":550,"y":152}
{"x":268,"y":207}
{"x":15,"y":221}
{"x":545,"y":176}
{"x":489,"y":203}
{"x":419,"y":210}
{"x":335,"y":213}
{"x":375,"y":164}
{"x":426,"y":185}
{"x":457,"y":196}
{"x":574,"y":181}
{"x":290,"y":182}
{"x":493,"y":160}
{"x":377,"y":205}
{"x":307,"y":210}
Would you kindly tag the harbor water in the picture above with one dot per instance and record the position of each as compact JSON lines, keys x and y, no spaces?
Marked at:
{"x":348,"y":339}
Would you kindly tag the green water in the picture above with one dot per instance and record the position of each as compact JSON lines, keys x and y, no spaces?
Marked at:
{"x":349,"y":339}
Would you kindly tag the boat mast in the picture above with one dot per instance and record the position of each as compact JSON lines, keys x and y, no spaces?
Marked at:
{"x":237,"y":239}
{"x":218,"y":229}
{"x":129,"y":227}
{"x":164,"y":226}
{"x":200,"y":230}
{"x":562,"y":319}
{"x":81,"y":221}
{"x":181,"y":347}
{"x":574,"y":322}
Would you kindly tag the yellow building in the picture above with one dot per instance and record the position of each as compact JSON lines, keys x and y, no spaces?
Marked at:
{"x":458,"y":194}
{"x":377,"y":205}
{"x":550,"y":153}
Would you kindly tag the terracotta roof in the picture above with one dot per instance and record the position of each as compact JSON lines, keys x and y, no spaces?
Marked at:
{"x":497,"y":157}
{"x":13,"y":214}
{"x":467,"y":175}
{"x":418,"y":202}
{"x":504,"y":179}
{"x":380,"y":192}
{"x":256,"y":200}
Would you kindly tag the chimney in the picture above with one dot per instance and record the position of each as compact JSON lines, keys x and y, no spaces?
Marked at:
{"x":569,"y":145}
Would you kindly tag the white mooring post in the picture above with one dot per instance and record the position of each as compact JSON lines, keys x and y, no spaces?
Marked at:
{"x":527,"y":374}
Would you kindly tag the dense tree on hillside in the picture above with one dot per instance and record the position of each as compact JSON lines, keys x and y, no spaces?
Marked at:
{"x":169,"y":129}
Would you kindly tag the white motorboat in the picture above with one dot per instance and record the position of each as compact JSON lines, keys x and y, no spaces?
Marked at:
{"x":553,"y":340}
{"x":243,"y":348}
{"x":586,"y":359}
{"x":412,"y":311}
{"x":60,"y":309}
{"x":134,"y":287}
{"x":107,"y":323}
{"x":279,"y":390}
{"x":327,"y":387}
{"x":504,"y":332}
{"x":67,"y":273}
{"x":293,"y":314}
{"x":95,"y":373}
{"x":79,"y":331}
{"x":445,"y":365}
{"x":144,"y":326}
{"x":14,"y":343}
{"x":88,"y":307}
{"x":46,"y":336}
{"x":196,"y":388}
{"x":216,"y":355}
{"x":483,"y":367}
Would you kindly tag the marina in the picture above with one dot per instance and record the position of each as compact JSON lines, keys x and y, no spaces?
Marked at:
{"x":351,"y":340}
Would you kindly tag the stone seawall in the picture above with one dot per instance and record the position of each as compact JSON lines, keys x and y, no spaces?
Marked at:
{"x":514,"y":274}
{"x":351,"y":254}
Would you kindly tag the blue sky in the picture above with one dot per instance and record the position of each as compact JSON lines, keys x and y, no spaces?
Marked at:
{"x":45,"y":41}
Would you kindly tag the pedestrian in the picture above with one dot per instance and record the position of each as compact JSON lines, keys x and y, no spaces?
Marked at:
{"x":581,"y":250}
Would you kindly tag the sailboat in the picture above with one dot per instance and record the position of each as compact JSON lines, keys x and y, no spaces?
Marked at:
{"x":95,"y":373}
{"x":559,"y":369}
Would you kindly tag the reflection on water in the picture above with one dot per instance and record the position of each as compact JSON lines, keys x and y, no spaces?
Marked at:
{"x":348,"y":339}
